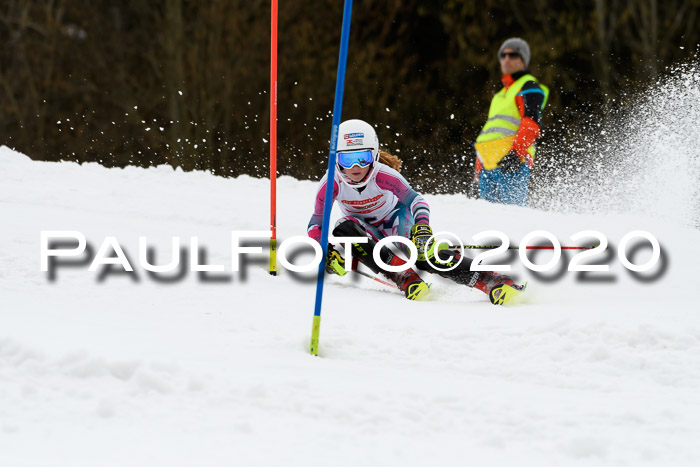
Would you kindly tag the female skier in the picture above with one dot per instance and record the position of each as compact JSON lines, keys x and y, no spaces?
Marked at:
{"x":377,"y":202}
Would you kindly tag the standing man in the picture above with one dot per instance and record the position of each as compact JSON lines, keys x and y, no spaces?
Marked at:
{"x":505,"y":148}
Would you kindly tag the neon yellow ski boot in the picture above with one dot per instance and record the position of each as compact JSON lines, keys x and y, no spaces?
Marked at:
{"x":417,"y":290}
{"x":504,"y":293}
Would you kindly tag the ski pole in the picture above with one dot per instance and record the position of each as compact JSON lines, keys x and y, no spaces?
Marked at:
{"x":529,"y":247}
{"x":375,"y":278}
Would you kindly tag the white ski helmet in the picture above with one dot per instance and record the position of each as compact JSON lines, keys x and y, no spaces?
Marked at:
{"x":355,"y":136}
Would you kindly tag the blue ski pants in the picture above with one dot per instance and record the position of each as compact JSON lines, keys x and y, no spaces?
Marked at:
{"x":505,"y":188}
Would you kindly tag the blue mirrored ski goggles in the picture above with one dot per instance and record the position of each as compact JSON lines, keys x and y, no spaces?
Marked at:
{"x":362,"y":158}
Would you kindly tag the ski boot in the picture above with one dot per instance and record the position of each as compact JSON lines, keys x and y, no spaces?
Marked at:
{"x":413,"y":287}
{"x":501,"y":289}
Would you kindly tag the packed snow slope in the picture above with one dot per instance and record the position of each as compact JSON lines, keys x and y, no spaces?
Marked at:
{"x":113,"y":369}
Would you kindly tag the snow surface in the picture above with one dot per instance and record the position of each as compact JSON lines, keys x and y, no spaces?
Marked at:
{"x":124,"y":369}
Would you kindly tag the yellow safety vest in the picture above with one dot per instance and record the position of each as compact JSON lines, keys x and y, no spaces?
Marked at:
{"x":496,"y":137}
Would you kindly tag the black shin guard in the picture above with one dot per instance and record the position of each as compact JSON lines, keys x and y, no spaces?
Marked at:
{"x":407,"y":280}
{"x":362,"y":251}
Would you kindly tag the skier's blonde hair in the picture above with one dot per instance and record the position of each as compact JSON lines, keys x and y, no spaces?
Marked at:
{"x":390,"y":160}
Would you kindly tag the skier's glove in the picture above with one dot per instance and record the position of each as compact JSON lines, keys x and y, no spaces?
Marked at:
{"x":510,"y":163}
{"x":420,"y":235}
{"x":335,"y":264}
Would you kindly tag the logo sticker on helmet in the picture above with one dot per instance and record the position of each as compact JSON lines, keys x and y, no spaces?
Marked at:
{"x":354,"y":139}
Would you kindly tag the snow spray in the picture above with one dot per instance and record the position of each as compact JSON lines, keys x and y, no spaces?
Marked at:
{"x":643,"y":158}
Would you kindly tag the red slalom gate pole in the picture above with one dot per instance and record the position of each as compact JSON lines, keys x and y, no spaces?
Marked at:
{"x":273,"y":139}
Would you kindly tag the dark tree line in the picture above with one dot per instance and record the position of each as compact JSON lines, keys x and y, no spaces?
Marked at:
{"x":185,"y":82}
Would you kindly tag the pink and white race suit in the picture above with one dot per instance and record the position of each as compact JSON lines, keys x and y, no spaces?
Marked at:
{"x":385,"y":206}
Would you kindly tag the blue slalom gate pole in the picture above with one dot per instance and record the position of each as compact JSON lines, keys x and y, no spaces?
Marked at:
{"x":337,"y":108}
